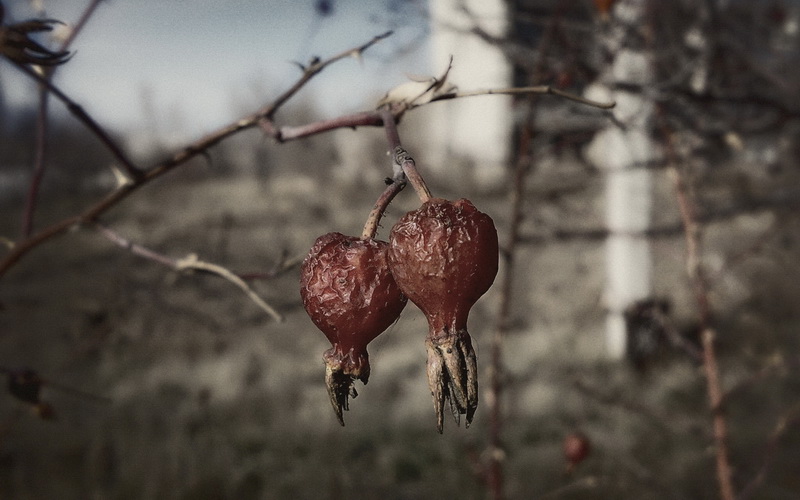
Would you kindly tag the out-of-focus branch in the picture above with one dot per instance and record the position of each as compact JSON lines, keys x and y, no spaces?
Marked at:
{"x":786,"y":422}
{"x":40,"y":156}
{"x":189,"y":263}
{"x":697,"y":275}
{"x":130,"y":168}
{"x":539,"y":89}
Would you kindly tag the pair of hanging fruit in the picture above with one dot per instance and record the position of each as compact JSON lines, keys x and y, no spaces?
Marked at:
{"x":443,"y":257}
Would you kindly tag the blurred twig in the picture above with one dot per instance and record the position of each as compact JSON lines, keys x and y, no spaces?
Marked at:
{"x":539,"y":89}
{"x":130,"y":168}
{"x":786,"y":421}
{"x":189,"y":263}
{"x":697,"y":275}
{"x":523,"y":166}
{"x":40,"y":155}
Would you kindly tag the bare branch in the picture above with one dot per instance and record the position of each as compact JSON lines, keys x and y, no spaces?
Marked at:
{"x":786,"y":422}
{"x":193,"y":263}
{"x":39,"y":164}
{"x":130,"y":168}
{"x":539,"y":89}
{"x":139,"y":178}
{"x":190,"y":262}
{"x":697,"y":275}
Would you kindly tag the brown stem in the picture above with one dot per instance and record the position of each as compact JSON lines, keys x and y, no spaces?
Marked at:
{"x":396,"y":183}
{"x":696,"y":271}
{"x":288,"y":133}
{"x":39,"y":164}
{"x":192,"y":263}
{"x":402,"y":160}
{"x":409,"y":167}
{"x":389,"y":122}
{"x":376,"y":214}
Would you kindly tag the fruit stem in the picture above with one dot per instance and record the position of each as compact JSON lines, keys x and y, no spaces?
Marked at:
{"x":402,"y":158}
{"x":376,"y":214}
{"x":403,"y":162}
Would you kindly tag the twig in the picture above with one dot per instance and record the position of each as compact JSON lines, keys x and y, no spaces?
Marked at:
{"x":785,"y":422}
{"x":130,"y":168}
{"x":376,"y":214}
{"x":598,"y":394}
{"x":406,"y":162}
{"x":39,"y":164}
{"x":280,"y":267}
{"x":697,"y":275}
{"x":403,"y":162}
{"x":288,"y":133}
{"x":190,"y":262}
{"x":539,"y":89}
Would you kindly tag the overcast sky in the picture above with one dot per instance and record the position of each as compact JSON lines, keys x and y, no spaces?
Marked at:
{"x":201,"y":63}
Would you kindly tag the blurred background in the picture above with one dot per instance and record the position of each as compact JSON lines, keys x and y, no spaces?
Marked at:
{"x":170,"y":384}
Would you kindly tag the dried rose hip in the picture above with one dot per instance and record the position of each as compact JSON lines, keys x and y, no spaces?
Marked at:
{"x":351,"y":296}
{"x":444,"y":257}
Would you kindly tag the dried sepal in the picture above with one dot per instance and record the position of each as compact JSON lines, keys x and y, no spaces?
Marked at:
{"x":17,"y":45}
{"x":453,"y":376}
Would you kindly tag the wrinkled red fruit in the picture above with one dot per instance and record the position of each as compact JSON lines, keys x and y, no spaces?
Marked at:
{"x":444,"y":256}
{"x":350,"y":295}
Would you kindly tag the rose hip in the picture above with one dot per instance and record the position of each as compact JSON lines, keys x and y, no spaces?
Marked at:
{"x":351,"y":296}
{"x":444,"y":257}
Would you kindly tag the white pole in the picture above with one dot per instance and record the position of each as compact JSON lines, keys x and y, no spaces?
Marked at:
{"x":624,"y":155}
{"x":477,"y":129}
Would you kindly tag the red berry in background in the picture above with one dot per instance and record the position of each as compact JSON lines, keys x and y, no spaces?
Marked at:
{"x":444,"y":257}
{"x":576,"y":449}
{"x":351,"y":296}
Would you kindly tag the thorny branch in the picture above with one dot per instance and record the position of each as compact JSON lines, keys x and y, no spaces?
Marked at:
{"x":697,"y":275}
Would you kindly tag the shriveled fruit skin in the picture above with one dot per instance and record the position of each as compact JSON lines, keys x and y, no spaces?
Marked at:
{"x":350,"y":294}
{"x":444,"y":257}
